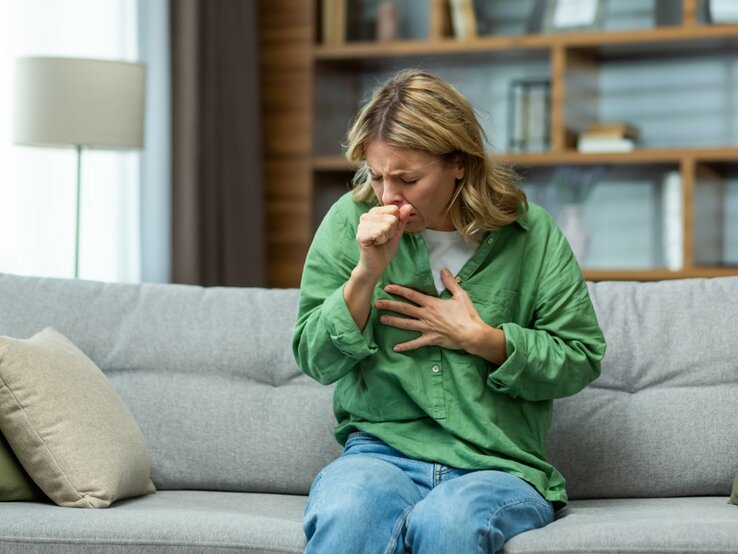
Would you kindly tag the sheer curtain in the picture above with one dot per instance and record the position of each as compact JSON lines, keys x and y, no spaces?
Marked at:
{"x":37,"y":185}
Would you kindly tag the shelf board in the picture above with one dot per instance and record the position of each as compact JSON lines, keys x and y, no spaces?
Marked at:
{"x":639,"y":37}
{"x":572,"y":157}
{"x":658,"y":274}
{"x":642,"y":156}
{"x":331,"y":163}
{"x":583,"y":40}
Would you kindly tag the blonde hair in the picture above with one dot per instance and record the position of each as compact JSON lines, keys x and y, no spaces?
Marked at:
{"x":420,"y":111}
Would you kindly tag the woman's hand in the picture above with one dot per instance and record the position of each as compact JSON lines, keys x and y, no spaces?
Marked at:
{"x":378,"y":236}
{"x":454,"y":323}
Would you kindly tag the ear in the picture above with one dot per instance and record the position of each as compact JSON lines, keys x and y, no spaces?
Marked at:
{"x":460,"y":168}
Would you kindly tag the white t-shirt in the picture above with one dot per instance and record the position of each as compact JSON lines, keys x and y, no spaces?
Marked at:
{"x":447,"y":249}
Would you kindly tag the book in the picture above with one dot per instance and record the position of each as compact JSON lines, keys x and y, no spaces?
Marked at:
{"x":611,"y":130}
{"x":537,"y":128}
{"x":333,"y":22}
{"x":672,"y":215}
{"x":516,"y":117}
{"x":708,"y":208}
{"x":463,"y":19}
{"x":529,"y":115}
{"x":605,"y":144}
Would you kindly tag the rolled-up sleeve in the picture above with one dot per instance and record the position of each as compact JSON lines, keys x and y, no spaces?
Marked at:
{"x":326,"y":341}
{"x":561,"y":351}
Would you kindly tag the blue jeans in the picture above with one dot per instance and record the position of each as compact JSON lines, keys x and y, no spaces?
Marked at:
{"x":374,"y":499}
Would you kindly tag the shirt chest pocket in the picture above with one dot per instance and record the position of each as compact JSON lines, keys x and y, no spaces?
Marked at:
{"x":494,"y":306}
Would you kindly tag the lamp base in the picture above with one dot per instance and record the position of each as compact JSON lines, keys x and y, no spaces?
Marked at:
{"x":78,"y":204}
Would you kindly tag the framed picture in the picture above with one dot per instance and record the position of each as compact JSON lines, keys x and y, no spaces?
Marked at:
{"x":573,"y":15}
{"x":722,"y":11}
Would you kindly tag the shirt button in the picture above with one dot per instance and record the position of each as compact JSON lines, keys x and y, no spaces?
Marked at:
{"x":436,"y":369}
{"x":457,"y":279}
{"x":490,"y":241}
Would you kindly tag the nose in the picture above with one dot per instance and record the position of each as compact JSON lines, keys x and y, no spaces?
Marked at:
{"x":391,"y":194}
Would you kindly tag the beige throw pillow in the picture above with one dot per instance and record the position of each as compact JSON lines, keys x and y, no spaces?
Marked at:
{"x":66,"y":424}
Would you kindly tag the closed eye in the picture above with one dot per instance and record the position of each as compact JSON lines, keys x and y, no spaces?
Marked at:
{"x":377,"y":178}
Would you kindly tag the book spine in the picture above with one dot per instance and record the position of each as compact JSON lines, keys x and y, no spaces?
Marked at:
{"x":463,"y":19}
{"x":518,"y":118}
{"x":708,"y":220}
{"x":605,"y":145}
{"x":672,"y":215}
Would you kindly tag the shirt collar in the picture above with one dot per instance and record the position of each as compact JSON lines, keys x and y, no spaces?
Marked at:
{"x":522,"y":220}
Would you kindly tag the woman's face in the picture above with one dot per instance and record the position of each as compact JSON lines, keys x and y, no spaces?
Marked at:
{"x":401,"y":176}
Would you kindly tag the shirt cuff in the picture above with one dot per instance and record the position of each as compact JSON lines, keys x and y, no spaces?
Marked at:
{"x":343,"y":329}
{"x":505,"y":378}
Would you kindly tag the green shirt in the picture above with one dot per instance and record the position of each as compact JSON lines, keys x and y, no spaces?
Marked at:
{"x":448,"y":406}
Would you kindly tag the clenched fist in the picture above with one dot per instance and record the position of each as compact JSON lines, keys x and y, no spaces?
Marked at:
{"x":378,"y":236}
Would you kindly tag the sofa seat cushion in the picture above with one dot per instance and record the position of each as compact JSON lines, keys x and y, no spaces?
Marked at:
{"x":636,"y":526}
{"x":220,"y":522}
{"x":168,"y":521}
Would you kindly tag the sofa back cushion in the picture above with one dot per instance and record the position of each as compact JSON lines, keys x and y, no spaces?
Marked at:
{"x":208,"y":374}
{"x":661,"y":420}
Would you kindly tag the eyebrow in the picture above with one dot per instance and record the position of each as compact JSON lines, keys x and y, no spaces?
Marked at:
{"x":396,"y":171}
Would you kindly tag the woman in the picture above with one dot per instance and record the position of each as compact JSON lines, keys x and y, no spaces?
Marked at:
{"x":450,"y":313}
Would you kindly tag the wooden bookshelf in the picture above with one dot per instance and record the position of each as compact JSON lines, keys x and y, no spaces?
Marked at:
{"x":638,"y":41}
{"x":296,"y":59}
{"x":572,"y":157}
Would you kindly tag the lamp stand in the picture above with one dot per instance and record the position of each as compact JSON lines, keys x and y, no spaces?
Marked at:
{"x":77,"y":214}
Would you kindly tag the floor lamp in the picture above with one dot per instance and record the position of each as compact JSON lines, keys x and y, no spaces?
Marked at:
{"x":63,"y":102}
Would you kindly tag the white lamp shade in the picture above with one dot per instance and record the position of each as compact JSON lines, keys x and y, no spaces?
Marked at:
{"x":72,"y":101}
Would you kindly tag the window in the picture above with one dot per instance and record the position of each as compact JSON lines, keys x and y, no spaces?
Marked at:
{"x":37,"y":185}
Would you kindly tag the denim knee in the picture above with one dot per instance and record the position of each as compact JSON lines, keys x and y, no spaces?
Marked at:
{"x":358,"y":504}
{"x":477,"y":512}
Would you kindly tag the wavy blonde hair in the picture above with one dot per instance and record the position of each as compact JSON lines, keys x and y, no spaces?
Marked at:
{"x":420,"y":111}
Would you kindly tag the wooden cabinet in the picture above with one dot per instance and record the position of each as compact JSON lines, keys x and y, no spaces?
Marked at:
{"x":676,"y":78}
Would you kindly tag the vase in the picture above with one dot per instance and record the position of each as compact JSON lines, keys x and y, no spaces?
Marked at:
{"x":388,"y":23}
{"x":572,"y":224}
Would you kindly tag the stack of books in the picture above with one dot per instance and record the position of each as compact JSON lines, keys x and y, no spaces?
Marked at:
{"x":529,"y":115}
{"x":608,"y":137}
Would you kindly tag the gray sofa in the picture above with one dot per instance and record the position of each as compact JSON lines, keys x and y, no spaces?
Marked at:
{"x":236,"y":433}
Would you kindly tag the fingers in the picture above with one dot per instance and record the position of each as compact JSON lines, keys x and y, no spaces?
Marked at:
{"x":379,"y":225}
{"x":410,"y":294}
{"x":402,"y":323}
{"x":449,"y":282}
{"x":399,"y":307}
{"x":405,"y":211}
{"x":413,"y":344}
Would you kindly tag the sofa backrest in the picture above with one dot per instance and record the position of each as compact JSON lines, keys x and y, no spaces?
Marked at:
{"x":209,"y":375}
{"x":662,"y":419}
